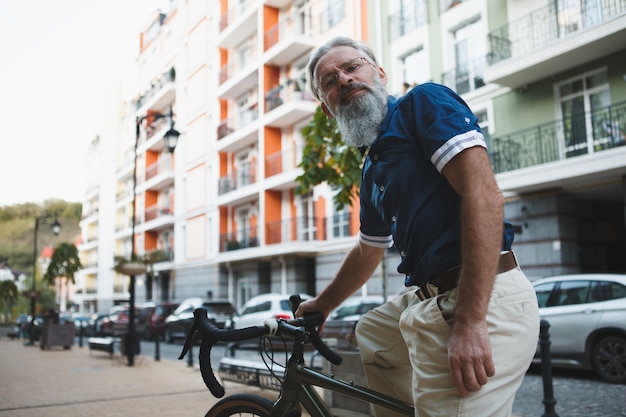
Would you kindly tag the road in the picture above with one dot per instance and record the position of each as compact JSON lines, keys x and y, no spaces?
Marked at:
{"x":578,"y":393}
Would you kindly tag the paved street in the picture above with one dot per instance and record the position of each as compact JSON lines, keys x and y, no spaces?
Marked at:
{"x":578,"y":394}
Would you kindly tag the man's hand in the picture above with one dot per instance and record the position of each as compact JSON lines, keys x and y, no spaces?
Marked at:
{"x":469,"y":357}
{"x":313,"y":306}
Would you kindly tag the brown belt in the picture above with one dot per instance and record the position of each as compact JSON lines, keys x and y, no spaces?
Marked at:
{"x":449,"y":279}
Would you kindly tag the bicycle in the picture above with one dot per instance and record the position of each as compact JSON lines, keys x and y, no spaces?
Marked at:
{"x":299,"y":381}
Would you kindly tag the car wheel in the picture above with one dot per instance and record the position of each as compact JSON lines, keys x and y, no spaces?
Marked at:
{"x":609,"y":359}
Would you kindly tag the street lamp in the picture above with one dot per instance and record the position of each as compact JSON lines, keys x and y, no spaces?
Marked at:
{"x":171,"y":139}
{"x":56,"y":229}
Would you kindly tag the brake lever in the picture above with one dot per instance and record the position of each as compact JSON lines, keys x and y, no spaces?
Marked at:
{"x":314,"y":337}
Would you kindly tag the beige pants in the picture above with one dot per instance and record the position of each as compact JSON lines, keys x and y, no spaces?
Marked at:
{"x":403,"y":346}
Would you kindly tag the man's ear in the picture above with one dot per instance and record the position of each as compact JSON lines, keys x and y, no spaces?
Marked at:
{"x":326,"y":111}
{"x":383,"y":75}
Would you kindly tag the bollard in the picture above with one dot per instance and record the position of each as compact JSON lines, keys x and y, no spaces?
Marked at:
{"x":157,"y":336}
{"x":546,"y":370}
{"x":80,"y":334}
{"x":190,"y":355}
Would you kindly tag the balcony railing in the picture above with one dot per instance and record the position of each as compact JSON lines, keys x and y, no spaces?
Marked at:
{"x":284,"y":93}
{"x":285,"y":28}
{"x":157,"y":210}
{"x":297,"y":229}
{"x":156,"y":86}
{"x":245,"y":239}
{"x":244,"y":117}
{"x":541,"y":27}
{"x":580,"y":134}
{"x":234,"y":13}
{"x":241,"y":177}
{"x":282,"y":161}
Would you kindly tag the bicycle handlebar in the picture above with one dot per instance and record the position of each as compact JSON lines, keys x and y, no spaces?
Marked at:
{"x":303,"y":327}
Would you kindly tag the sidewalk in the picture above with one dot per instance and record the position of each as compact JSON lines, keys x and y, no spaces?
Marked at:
{"x":73,"y":383}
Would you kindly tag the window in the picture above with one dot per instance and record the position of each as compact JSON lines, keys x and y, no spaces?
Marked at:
{"x":332,"y":15}
{"x":406,"y":16}
{"x":583,"y":107}
{"x":307,"y":221}
{"x":543,"y":293}
{"x":415,"y":69}
{"x":341,"y":223}
{"x":572,"y":292}
{"x":610,"y":290}
{"x":470,"y":52}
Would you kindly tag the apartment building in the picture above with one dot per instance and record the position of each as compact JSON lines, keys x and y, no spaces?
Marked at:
{"x":219,"y":216}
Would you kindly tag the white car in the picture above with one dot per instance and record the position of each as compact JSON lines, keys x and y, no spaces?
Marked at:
{"x":261,"y":307}
{"x":587,"y":318}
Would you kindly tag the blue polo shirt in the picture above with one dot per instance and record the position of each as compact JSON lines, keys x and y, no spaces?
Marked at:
{"x":404,"y":197}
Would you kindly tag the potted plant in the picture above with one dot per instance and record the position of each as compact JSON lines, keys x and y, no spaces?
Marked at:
{"x":132,"y":266}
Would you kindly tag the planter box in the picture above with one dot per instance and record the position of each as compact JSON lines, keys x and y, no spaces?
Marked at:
{"x":61,"y":335}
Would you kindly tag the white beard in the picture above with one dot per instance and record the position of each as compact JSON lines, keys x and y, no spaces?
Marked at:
{"x":359,"y":120}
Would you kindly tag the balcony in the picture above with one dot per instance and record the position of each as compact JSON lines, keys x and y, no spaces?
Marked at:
{"x":584,"y":152}
{"x":581,"y":134}
{"x":235,"y":241}
{"x":238,"y":76}
{"x":158,"y":176}
{"x":283,"y":161}
{"x":238,"y":132}
{"x":162,"y":91}
{"x":288,"y":104}
{"x":288,"y":40}
{"x":242,"y":177}
{"x":237,"y":24}
{"x":532,"y":47}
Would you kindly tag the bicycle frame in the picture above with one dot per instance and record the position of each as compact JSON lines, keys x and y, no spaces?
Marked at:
{"x":299,"y":384}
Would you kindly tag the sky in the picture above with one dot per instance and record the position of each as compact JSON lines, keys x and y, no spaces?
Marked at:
{"x":57,"y":59}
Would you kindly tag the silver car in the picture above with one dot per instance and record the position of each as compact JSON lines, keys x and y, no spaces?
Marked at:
{"x":587,"y":317}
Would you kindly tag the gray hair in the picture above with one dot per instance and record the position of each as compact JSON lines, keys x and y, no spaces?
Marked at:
{"x":325,"y":48}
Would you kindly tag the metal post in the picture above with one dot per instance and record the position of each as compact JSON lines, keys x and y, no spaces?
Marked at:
{"x":80,"y":334}
{"x":157,"y":336}
{"x":546,"y":370}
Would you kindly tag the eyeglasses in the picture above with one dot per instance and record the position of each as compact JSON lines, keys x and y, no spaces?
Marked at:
{"x":329,"y":81}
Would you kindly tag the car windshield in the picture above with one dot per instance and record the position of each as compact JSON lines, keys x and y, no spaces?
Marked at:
{"x":223,"y":309}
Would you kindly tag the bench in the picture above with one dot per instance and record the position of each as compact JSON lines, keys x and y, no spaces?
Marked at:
{"x":248,"y":372}
{"x":103,"y":344}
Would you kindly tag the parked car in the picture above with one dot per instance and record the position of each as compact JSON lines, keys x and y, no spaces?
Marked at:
{"x":81,"y":323}
{"x":339,"y":326}
{"x":587,"y":317}
{"x":177,"y":324}
{"x":261,"y":307}
{"x":156,"y":319}
{"x":120,"y":320}
{"x":96,"y":323}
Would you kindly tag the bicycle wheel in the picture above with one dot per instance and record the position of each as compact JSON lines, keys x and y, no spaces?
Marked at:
{"x":236,"y":405}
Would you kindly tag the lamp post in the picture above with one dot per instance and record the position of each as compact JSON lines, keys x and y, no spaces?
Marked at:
{"x":56,"y":229}
{"x":171,"y":139}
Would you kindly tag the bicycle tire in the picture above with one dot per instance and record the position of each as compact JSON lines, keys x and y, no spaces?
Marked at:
{"x":241,"y":405}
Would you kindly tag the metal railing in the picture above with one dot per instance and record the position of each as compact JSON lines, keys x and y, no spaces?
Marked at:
{"x":539,"y":28}
{"x":580,"y":134}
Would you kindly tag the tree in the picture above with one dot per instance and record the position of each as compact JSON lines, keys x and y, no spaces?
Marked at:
{"x":64,"y":264}
{"x":325,"y":158}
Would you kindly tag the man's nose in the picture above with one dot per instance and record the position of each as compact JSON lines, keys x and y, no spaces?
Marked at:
{"x":344,"y":78}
